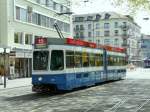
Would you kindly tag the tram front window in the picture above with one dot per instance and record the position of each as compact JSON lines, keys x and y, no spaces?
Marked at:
{"x":57,"y":60}
{"x":40,"y":60}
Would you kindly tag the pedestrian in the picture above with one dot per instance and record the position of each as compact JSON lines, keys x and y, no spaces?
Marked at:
{"x":2,"y":73}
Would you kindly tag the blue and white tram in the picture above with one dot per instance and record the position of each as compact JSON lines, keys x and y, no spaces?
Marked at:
{"x":65,"y":67}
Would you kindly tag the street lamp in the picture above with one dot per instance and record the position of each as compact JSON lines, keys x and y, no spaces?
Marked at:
{"x":4,"y":51}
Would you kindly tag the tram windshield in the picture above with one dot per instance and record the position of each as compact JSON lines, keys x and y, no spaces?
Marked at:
{"x":40,"y":60}
{"x":57,"y":60}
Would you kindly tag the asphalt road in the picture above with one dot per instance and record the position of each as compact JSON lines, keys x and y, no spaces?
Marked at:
{"x":129,"y":95}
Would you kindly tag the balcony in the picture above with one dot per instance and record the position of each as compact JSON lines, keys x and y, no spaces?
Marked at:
{"x":78,"y":29}
{"x":124,"y":27}
{"x":125,"y":36}
{"x":125,"y":45}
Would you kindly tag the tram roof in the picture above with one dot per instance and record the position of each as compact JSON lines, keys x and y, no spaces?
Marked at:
{"x":75,"y":42}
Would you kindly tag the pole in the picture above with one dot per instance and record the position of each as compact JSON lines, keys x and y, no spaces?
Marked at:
{"x":4,"y":68}
{"x":93,"y":30}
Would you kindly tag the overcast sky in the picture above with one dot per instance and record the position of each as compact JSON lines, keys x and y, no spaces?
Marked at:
{"x":105,"y":5}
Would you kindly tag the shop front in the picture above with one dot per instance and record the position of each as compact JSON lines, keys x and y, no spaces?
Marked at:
{"x":20,"y":64}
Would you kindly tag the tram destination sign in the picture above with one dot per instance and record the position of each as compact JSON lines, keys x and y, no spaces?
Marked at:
{"x":41,"y":43}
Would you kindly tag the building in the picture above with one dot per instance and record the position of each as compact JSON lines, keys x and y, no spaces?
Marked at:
{"x":21,"y":21}
{"x":145,"y":46}
{"x":108,"y":28}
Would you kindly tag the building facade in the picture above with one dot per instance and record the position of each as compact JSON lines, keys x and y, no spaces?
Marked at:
{"x":145,"y":46}
{"x":108,"y":28}
{"x":21,"y":21}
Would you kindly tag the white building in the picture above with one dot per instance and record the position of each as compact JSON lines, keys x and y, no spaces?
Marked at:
{"x":108,"y":28}
{"x":21,"y":21}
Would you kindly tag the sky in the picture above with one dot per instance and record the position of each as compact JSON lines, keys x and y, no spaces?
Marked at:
{"x":105,"y":5}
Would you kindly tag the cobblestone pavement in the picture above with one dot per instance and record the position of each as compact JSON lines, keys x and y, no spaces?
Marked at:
{"x":128,"y":95}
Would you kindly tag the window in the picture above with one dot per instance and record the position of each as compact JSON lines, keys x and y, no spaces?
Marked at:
{"x":81,"y":35}
{"x":23,"y":15}
{"x":106,"y":25}
{"x":107,"y":16}
{"x":81,"y":27}
{"x":89,"y":18}
{"x":52,"y":21}
{"x":38,"y":1}
{"x":66,"y":27}
{"x":97,"y":26}
{"x":58,"y":7}
{"x":43,"y":2}
{"x":39,"y":19}
{"x":60,"y":24}
{"x":77,"y":27}
{"x":97,"y":33}
{"x":40,"y":60}
{"x":124,"y":23}
{"x":89,"y":26}
{"x":92,"y":59}
{"x":106,"y":33}
{"x":18,"y":13}
{"x":116,"y":24}
{"x":47,"y":22}
{"x":61,"y":8}
{"x":28,"y":39}
{"x":116,"y":60}
{"x":54,"y":5}
{"x":98,"y":60}
{"x":70,"y":59}
{"x":18,"y":37}
{"x":49,"y":4}
{"x":34,"y":18}
{"x":116,"y":32}
{"x":78,"y":59}
{"x":43,"y":20}
{"x":57,"y":60}
{"x":85,"y":59}
{"x":89,"y":34}
{"x":111,"y":60}
{"x":116,"y":42}
{"x":124,"y":32}
{"x":107,"y":41}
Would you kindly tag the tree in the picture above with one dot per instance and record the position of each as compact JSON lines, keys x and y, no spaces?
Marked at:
{"x":134,"y":5}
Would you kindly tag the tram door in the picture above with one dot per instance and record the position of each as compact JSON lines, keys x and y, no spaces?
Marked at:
{"x":105,"y":60}
{"x":70,"y":68}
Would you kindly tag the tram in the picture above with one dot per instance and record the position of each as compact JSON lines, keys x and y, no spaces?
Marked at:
{"x":66,"y":64}
{"x":146,"y":63}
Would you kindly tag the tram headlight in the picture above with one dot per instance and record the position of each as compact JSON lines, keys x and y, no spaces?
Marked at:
{"x":40,"y":78}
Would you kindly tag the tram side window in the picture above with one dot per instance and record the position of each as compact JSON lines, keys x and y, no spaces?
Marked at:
{"x":57,"y":60}
{"x":85,"y":59}
{"x":111,"y":60}
{"x":92,"y":59}
{"x":98,"y":60}
{"x":70,"y":59}
{"x":78,"y":59}
{"x":40,"y":60}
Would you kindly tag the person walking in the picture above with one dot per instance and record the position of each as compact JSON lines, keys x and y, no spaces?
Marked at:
{"x":2,"y":72}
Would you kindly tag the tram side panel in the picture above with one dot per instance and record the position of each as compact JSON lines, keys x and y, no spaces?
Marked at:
{"x":116,"y":66}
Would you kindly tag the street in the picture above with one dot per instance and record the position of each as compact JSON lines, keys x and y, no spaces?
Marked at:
{"x":129,"y":95}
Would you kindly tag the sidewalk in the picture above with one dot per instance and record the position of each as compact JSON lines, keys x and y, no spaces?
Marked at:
{"x":16,"y":83}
